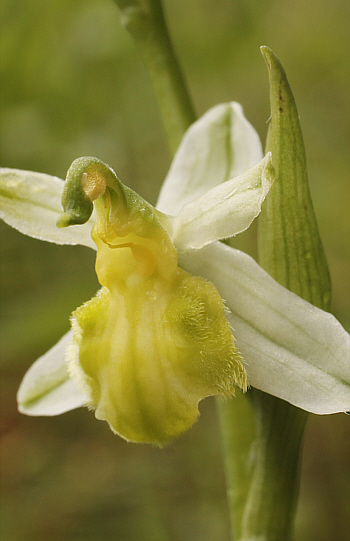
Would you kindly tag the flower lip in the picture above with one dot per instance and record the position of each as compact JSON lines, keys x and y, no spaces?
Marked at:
{"x":155,"y":340}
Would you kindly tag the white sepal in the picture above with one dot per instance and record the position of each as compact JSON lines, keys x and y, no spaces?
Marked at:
{"x":31,"y":203}
{"x":47,"y":388}
{"x":221,"y":145}
{"x":293,"y":350}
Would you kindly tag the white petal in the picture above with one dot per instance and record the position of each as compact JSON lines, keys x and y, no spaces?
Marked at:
{"x":224,"y":211}
{"x":47,"y":388}
{"x":293,"y":350}
{"x":31,"y":203}
{"x":221,"y":145}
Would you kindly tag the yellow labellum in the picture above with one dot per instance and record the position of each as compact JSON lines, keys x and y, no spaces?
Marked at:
{"x":155,"y":340}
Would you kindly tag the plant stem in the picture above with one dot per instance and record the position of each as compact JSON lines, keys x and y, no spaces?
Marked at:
{"x":238,"y":435}
{"x":272,"y":501}
{"x":145,"y":21}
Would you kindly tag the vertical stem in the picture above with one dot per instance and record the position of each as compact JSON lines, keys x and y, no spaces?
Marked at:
{"x":272,"y":501}
{"x":146,"y":23}
{"x":238,"y":436}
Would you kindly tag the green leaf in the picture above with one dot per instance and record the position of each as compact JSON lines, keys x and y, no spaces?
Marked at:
{"x":290,"y":247}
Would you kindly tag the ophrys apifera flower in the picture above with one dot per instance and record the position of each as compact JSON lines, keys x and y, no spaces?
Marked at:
{"x":157,"y":337}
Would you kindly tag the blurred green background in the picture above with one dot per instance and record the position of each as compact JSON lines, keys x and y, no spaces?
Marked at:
{"x":72,"y":84}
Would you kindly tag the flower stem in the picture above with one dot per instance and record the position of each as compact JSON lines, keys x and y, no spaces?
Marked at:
{"x":238,"y":435}
{"x":272,"y":500}
{"x":145,"y":21}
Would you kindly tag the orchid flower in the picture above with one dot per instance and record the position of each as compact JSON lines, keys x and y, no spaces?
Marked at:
{"x":158,"y":336}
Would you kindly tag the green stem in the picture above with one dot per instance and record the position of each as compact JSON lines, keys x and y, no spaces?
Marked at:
{"x":238,"y":435}
{"x":262,"y":443}
{"x":145,"y":21}
{"x":272,"y":500}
